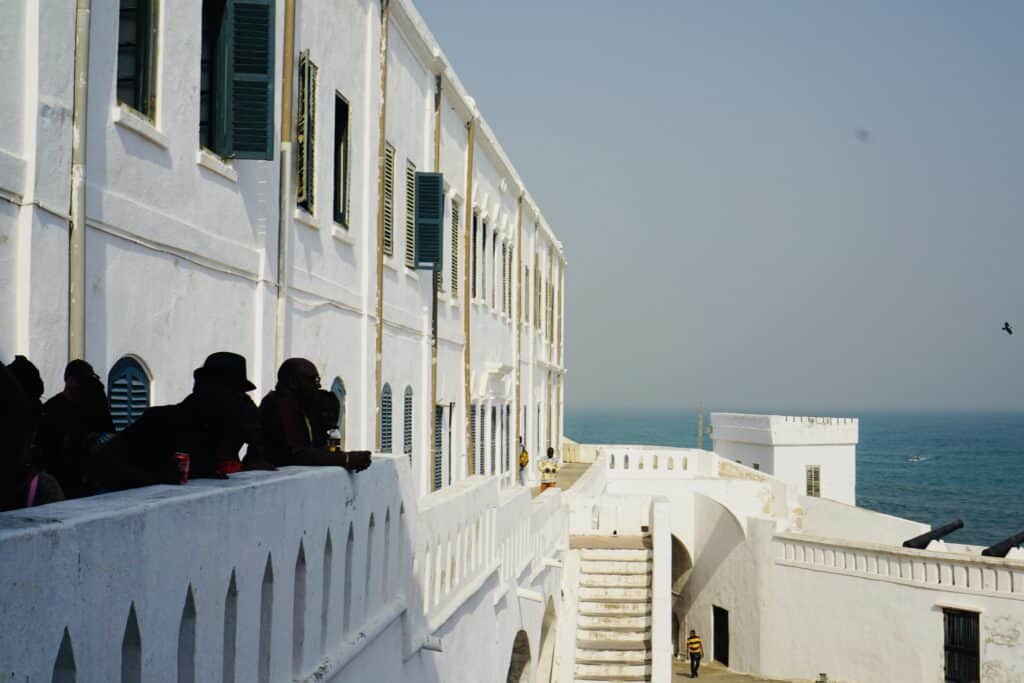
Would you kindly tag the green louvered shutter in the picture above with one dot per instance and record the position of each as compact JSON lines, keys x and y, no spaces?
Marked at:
{"x":438,"y":443}
{"x":246,"y":115}
{"x":429,"y":220}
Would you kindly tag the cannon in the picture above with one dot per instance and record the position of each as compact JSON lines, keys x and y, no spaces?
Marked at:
{"x":921,"y":542}
{"x":1000,"y":549}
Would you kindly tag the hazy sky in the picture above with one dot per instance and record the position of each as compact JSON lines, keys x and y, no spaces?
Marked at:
{"x":733,"y":235}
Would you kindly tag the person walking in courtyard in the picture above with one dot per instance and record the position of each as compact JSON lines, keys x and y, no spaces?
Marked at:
{"x":548,"y":470}
{"x":694,"y":648}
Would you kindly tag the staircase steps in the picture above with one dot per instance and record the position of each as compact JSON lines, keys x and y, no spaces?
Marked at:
{"x":613,"y":622}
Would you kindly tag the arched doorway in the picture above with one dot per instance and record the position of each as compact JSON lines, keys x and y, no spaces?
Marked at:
{"x":548,"y":636}
{"x":519,"y":666}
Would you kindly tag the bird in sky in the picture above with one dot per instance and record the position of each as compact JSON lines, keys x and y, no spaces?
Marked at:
{"x":1007,"y":329}
{"x":863,"y":135}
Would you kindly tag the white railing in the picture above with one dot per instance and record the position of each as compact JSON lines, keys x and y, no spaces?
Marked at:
{"x":454,"y":546}
{"x":258,"y":578}
{"x":925,"y":568}
{"x":268,"y":576}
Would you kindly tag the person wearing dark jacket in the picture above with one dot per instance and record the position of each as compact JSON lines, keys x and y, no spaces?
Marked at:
{"x":73,"y":421}
{"x":209,"y":427}
{"x":21,"y":485}
{"x":291,"y":421}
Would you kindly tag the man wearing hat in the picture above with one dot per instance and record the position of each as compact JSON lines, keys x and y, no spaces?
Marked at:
{"x":199,"y":437}
{"x":72,"y":421}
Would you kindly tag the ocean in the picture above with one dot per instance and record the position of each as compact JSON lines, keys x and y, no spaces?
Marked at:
{"x":972,"y":464}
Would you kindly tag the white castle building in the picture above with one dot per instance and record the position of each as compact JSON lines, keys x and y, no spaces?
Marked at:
{"x":184,"y":176}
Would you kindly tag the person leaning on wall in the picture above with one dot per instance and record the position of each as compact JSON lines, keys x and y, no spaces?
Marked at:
{"x":197,"y":438}
{"x":294,"y":420}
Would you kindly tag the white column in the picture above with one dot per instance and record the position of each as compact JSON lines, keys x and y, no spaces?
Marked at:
{"x":661,"y":598}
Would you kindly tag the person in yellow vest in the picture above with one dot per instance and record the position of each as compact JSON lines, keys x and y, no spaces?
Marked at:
{"x":548,"y":470}
{"x":694,"y":648}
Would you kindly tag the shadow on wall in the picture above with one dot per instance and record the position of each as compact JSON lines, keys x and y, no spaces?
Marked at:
{"x":520,"y":669}
{"x":682,"y":567}
{"x":720,"y":535}
{"x":546,"y":656}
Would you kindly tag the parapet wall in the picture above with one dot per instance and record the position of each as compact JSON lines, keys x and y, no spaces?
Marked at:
{"x":271,"y":576}
{"x":784,"y":430}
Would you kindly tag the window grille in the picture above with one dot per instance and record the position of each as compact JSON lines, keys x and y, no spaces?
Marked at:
{"x":494,"y":272}
{"x":480,"y":441}
{"x":483,"y":261}
{"x":389,"y":200}
{"x":961,"y":645}
{"x":410,"y":214}
{"x":438,"y":444}
{"x":385,"y":419}
{"x":814,"y":480}
{"x":305,"y":168}
{"x":127,"y":391}
{"x":494,"y":440}
{"x":455,"y":248}
{"x":505,"y":440}
{"x":338,"y":389}
{"x":472,"y":430}
{"x":407,"y":424}
{"x":136,"y":55}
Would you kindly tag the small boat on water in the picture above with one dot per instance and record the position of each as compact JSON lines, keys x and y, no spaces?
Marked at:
{"x":917,"y":458}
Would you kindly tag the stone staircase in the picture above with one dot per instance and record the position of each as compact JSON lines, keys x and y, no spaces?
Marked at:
{"x":613,"y":624}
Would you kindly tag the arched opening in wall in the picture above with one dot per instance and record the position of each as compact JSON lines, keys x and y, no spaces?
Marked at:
{"x":384,"y":424}
{"x":682,"y":567}
{"x":519,"y":665}
{"x":127,"y":391}
{"x":548,"y":631}
{"x":64,"y":669}
{"x":338,"y":389}
{"x":407,"y":424}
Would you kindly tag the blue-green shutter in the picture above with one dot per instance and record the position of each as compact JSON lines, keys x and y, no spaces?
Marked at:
{"x":127,"y":392}
{"x":385,"y":419}
{"x":438,"y":443}
{"x":245,"y":117}
{"x":429,"y":220}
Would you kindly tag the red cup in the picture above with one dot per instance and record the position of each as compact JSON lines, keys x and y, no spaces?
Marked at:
{"x":183,"y":460}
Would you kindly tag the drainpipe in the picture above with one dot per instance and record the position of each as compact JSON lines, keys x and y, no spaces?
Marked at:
{"x":381,"y":146}
{"x":285,"y":187}
{"x":79,"y":130}
{"x":466,"y":376}
{"x":517,"y":329}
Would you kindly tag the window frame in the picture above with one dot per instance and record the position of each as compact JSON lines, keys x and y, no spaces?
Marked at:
{"x":341,"y":166}
{"x":144,"y":79}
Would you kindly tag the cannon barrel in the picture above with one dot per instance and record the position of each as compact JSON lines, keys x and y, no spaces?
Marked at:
{"x":1000,"y":549}
{"x":921,"y":542}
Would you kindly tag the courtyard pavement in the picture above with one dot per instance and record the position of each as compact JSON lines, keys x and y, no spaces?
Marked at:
{"x":715,"y":672}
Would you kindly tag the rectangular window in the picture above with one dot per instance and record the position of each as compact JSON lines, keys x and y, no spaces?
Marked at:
{"x":494,"y":272}
{"x":305,"y":128}
{"x":472,"y":430}
{"x":340,"y":160}
{"x":136,"y":55}
{"x":524,"y":301}
{"x":961,"y":646}
{"x":389,"y":200}
{"x":472,"y":257}
{"x":236,"y":82}
{"x":814,"y":480}
{"x":455,"y":247}
{"x":504,"y":278}
{"x":757,"y":466}
{"x":410,"y":214}
{"x":483,"y":262}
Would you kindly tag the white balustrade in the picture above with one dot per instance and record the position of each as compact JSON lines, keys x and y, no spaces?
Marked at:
{"x":926,"y":568}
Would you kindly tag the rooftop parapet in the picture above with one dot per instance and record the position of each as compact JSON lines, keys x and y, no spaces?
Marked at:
{"x":784,"y":430}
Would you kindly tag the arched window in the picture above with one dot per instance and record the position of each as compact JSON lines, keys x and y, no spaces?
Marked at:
{"x":128,"y":391}
{"x":407,"y":424}
{"x":338,"y":389}
{"x":385,"y":419}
